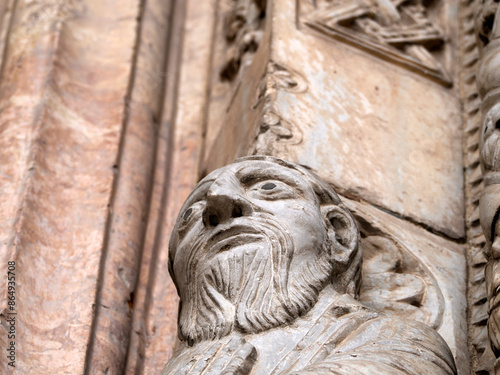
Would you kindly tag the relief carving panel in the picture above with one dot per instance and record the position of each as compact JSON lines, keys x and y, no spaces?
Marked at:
{"x":399,"y":31}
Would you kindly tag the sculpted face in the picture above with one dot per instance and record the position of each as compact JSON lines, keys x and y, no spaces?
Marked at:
{"x":252,"y":248}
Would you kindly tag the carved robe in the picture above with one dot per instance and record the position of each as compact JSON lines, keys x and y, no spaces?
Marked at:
{"x":338,"y":336}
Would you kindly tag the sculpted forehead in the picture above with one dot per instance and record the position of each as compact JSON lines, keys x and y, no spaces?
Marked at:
{"x":252,"y":171}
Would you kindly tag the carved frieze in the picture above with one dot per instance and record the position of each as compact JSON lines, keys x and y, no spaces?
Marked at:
{"x":399,"y":31}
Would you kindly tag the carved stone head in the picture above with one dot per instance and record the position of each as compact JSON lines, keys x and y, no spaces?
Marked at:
{"x":254,"y":245}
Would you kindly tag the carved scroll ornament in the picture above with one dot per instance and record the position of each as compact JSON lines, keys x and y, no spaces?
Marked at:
{"x":395,"y":281}
{"x":267,"y":264}
{"x":274,"y":131}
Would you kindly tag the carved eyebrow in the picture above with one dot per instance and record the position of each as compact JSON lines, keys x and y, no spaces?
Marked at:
{"x":198,"y":194}
{"x":250,"y":175}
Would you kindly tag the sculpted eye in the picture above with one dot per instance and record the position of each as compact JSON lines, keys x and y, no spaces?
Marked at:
{"x":272,"y":190}
{"x":187,"y":213}
{"x":192,"y":212}
{"x":268,"y":186}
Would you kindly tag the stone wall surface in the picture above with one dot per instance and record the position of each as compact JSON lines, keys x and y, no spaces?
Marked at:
{"x":64,"y":69}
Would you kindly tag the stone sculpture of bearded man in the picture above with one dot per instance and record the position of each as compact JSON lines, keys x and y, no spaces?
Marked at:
{"x":267,"y":264}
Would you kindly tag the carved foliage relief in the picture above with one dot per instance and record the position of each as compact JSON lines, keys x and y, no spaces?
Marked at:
{"x":400,"y":31}
{"x":243,"y":30}
{"x":274,"y":131}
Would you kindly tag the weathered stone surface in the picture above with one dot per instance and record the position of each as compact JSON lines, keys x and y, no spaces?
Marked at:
{"x":481,"y":355}
{"x":267,"y":263}
{"x":108,"y":350}
{"x":488,"y":85}
{"x":86,"y":102}
{"x":236,"y":103}
{"x":373,"y":118}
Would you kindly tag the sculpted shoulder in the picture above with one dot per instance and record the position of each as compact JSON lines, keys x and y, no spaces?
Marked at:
{"x":348,"y":338}
{"x":387,"y":344}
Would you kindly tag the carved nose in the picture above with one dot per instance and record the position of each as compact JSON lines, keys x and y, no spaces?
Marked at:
{"x":224,"y":202}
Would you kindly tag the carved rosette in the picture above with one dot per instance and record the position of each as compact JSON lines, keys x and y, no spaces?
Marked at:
{"x":488,"y":83}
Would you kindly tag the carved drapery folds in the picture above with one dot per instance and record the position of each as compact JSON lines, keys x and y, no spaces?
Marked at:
{"x":488,"y":83}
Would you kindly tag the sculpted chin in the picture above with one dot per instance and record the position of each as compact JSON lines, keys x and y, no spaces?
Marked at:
{"x":267,"y":264}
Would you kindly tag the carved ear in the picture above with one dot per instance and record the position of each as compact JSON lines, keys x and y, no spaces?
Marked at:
{"x":342,"y":231}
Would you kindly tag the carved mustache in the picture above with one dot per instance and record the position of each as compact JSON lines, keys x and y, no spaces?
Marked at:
{"x":258,"y":227}
{"x":229,"y":236}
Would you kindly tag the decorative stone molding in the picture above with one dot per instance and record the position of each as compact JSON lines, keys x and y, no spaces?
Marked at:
{"x":274,"y":131}
{"x":482,"y":358}
{"x":488,"y":84}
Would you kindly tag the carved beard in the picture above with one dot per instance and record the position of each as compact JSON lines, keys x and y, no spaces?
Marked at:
{"x":244,"y":282}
